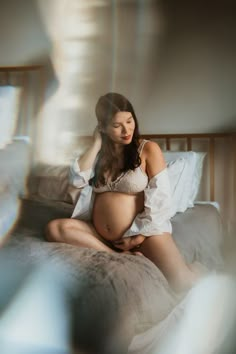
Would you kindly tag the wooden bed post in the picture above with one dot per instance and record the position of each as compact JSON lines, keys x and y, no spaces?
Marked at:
{"x":212,"y":168}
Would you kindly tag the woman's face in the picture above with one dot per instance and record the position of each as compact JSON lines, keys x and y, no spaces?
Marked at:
{"x":121,"y":128}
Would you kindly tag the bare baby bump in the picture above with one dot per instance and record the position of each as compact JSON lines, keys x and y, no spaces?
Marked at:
{"x":113,"y":213}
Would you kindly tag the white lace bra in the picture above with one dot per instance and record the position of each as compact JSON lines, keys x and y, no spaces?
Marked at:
{"x":129,"y":182}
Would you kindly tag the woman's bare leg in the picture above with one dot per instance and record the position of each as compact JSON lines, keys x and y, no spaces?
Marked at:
{"x":76,"y":232}
{"x":163,"y":252}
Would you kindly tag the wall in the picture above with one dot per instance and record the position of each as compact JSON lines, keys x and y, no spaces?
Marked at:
{"x":175,"y":63}
{"x":174,"y":60}
{"x":196,"y":76}
{"x":23,"y":38}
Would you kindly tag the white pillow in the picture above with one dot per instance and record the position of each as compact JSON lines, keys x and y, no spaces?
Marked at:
{"x":200,"y":156}
{"x":176,"y":172}
{"x":50,"y":182}
{"x":186,"y":177}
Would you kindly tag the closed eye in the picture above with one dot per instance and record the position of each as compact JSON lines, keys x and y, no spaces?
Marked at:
{"x":129,"y":121}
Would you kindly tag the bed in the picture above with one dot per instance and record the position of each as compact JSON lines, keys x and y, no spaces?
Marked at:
{"x":112,"y":299}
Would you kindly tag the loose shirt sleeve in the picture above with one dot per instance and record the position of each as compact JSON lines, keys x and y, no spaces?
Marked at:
{"x":155,"y":218}
{"x":78,"y":178}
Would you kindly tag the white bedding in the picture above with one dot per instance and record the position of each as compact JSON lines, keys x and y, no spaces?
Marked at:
{"x":206,"y":202}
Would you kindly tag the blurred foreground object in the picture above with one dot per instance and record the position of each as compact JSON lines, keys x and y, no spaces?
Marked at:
{"x":34,"y":310}
{"x":203,"y":323}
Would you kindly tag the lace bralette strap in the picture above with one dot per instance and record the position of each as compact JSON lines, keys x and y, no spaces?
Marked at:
{"x":140,"y":148}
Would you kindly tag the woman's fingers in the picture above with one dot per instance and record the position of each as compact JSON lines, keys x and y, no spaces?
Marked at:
{"x":127,"y":246}
{"x":136,"y":241}
{"x":135,"y":253}
{"x":129,"y":243}
{"x":123,"y":245}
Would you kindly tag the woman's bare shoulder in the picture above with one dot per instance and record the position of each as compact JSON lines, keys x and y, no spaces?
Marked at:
{"x":155,"y":161}
{"x":152,"y":148}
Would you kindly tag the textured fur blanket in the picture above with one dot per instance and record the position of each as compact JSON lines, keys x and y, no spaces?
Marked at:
{"x":113,"y":297}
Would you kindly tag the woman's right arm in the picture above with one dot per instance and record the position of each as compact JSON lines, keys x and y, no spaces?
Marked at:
{"x":86,"y":161}
{"x":82,"y":168}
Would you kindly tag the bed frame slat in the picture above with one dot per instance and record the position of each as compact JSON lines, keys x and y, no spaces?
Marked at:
{"x":189,"y":138}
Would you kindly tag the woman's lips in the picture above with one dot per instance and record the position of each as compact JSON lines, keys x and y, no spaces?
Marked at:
{"x":126,"y":137}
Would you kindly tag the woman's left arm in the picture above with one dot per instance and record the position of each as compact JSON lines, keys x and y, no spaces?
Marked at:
{"x":154,"y":159}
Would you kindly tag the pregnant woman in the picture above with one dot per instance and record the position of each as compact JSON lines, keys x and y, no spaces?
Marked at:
{"x":125,"y":201}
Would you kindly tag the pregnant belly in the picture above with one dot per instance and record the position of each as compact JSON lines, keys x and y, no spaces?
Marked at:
{"x":113,"y":213}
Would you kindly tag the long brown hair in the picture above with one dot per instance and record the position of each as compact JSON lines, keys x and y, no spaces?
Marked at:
{"x":106,"y":107}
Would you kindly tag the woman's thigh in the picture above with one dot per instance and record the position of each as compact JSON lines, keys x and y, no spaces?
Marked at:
{"x":84,"y":227}
{"x":162,"y":250}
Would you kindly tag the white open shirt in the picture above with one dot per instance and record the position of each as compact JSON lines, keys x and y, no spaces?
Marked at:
{"x":153,"y":220}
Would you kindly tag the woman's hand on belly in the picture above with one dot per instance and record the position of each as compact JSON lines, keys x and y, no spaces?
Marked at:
{"x":129,"y":243}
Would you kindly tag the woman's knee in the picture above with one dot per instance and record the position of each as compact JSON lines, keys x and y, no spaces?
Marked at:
{"x":51,"y":230}
{"x":55,"y":229}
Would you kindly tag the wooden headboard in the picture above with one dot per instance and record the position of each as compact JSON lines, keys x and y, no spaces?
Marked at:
{"x":188,"y":142}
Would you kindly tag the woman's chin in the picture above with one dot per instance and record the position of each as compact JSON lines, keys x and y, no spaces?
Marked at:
{"x":126,"y":141}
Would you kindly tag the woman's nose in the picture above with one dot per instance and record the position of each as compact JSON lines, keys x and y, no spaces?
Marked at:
{"x":125,"y":129}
